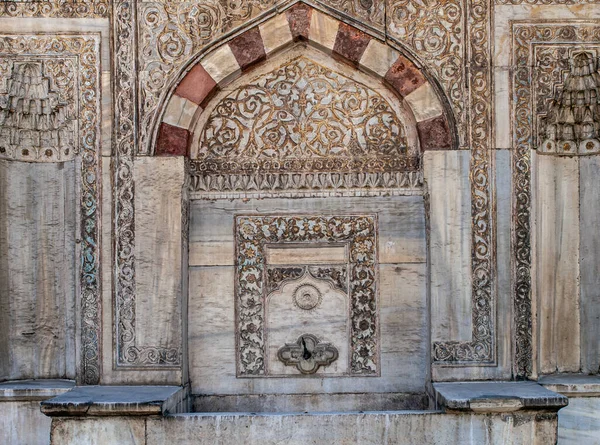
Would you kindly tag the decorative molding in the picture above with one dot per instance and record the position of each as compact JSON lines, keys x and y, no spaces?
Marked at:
{"x":371,"y":12}
{"x":481,"y":350}
{"x":38,"y":109}
{"x":31,"y":53}
{"x":545,"y":2}
{"x":55,"y":8}
{"x":528,"y":39}
{"x":251,"y":235}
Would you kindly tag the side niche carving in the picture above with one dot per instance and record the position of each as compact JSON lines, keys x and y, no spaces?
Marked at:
{"x":255,"y":280}
{"x":551,"y":48}
{"x":572,"y":124}
{"x":37,"y":110}
{"x":55,"y":77}
{"x":304,"y":127}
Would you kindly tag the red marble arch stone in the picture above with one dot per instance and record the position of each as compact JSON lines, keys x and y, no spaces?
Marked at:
{"x":404,"y":76}
{"x":298,"y":17}
{"x":172,"y":141}
{"x":248,"y":48}
{"x":196,"y":86}
{"x":350,"y":43}
{"x":434,"y":134}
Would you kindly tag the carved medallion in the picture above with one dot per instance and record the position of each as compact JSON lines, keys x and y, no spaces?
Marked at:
{"x":307,"y":297}
{"x":308,"y":354}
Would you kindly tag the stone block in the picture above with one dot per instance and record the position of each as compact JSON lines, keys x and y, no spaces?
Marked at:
{"x":221,"y":64}
{"x":276,"y":33}
{"x":351,"y":43}
{"x":197,"y":85}
{"x":323,"y":30}
{"x":424,"y":103}
{"x":378,"y":57}
{"x":248,"y":48}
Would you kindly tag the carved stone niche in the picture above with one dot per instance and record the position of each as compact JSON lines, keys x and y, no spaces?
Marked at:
{"x":307,"y":237}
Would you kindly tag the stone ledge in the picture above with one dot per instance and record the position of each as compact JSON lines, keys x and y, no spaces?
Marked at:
{"x":572,"y":385}
{"x":116,"y":401}
{"x":497,"y":397}
{"x":27,"y":390}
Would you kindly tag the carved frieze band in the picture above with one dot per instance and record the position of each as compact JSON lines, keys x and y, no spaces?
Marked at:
{"x":550,"y":48}
{"x":482,"y":348}
{"x":34,"y":68}
{"x":55,"y":8}
{"x":252,"y":233}
{"x":545,"y":2}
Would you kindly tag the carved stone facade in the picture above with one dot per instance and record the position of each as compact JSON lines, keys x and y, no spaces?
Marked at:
{"x":37,"y":111}
{"x":305,"y":205}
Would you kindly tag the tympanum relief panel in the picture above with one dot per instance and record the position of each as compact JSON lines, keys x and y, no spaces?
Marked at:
{"x":304,"y":127}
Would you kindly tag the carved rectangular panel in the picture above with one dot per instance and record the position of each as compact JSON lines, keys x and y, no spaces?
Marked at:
{"x":259,"y":287}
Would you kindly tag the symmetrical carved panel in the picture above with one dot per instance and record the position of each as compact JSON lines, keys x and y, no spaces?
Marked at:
{"x":550,"y":48}
{"x":38,"y":104}
{"x":55,"y":8}
{"x":435,"y":31}
{"x":254,"y":279}
{"x":37,"y":70}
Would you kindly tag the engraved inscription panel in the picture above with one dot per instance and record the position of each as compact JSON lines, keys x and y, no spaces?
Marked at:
{"x":278,"y":304}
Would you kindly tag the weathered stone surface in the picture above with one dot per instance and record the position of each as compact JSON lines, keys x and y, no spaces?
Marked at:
{"x":572,"y":385}
{"x":450,"y":253}
{"x":196,"y":86}
{"x":114,"y":430}
{"x":299,"y":17}
{"x":497,"y":397}
{"x":115,"y":401}
{"x":404,"y":76}
{"x":434,"y":134}
{"x":579,"y":423}
{"x":351,"y":43}
{"x":172,"y":141}
{"x":21,"y":422}
{"x":248,"y":48}
{"x":25,"y":390}
{"x":37,"y":270}
{"x":556,"y":259}
{"x":365,"y":428}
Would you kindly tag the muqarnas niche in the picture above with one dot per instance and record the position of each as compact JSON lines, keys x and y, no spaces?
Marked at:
{"x":572,"y":124}
{"x":306,"y":296}
{"x":37,"y":110}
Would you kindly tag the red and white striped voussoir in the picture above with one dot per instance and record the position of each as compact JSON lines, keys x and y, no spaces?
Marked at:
{"x":226,"y":62}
